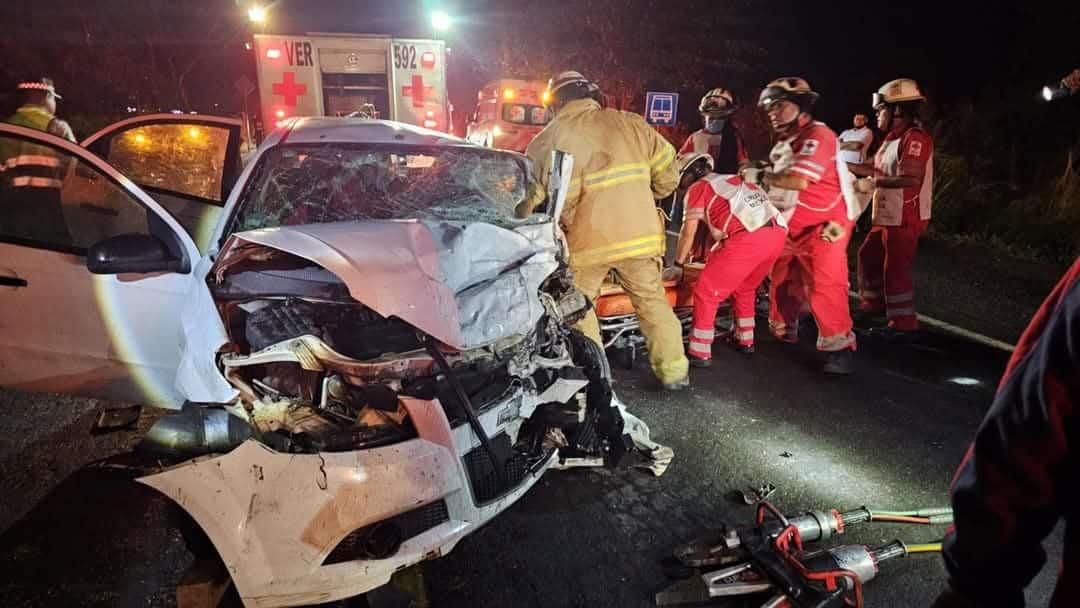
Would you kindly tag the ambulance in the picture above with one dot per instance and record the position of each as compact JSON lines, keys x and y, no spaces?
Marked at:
{"x":509,"y":114}
{"x":401,"y":79}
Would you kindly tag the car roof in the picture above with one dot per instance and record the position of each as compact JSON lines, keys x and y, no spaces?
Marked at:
{"x":365,"y":130}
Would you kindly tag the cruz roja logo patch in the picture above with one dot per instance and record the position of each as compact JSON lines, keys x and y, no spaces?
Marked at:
{"x":915,"y":149}
{"x":809,"y":147}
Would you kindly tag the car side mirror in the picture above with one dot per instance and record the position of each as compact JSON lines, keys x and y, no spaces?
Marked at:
{"x":123,"y":253}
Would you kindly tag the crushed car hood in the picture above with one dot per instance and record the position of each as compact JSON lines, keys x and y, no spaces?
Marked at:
{"x":466,"y":284}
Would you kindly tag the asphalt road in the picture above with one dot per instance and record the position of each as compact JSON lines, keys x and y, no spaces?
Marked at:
{"x":889,"y":437}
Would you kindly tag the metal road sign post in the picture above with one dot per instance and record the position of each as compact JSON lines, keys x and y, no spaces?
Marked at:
{"x":661,"y":108}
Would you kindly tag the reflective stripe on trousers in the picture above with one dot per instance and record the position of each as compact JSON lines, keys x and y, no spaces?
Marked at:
{"x":36,"y":182}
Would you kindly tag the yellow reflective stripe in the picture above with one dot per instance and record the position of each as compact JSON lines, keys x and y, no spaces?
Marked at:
{"x":662,"y":158}
{"x":599,"y":177}
{"x":644,"y":246}
{"x":615,"y":181}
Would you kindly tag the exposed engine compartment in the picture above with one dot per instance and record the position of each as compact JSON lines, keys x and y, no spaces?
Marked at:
{"x":318,"y":371}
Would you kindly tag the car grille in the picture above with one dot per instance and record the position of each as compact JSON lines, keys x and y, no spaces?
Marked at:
{"x":382,"y":539}
{"x":485,"y":484}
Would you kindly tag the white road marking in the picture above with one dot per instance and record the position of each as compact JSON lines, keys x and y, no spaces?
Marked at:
{"x":949,"y":328}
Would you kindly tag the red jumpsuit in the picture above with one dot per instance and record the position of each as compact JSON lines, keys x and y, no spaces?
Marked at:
{"x":811,"y":272}
{"x":900,"y":216}
{"x":736,"y":266}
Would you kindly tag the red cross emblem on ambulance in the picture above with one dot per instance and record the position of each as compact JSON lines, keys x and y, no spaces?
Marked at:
{"x":417,"y":91}
{"x":289,"y":88}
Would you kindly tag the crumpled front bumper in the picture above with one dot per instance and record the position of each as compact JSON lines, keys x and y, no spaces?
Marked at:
{"x":275,"y":517}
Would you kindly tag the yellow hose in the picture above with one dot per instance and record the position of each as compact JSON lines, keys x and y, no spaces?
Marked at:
{"x":925,"y":548}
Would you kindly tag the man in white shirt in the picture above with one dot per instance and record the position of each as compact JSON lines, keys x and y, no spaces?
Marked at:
{"x":855,"y":143}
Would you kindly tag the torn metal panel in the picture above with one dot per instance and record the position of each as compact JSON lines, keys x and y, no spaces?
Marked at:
{"x":465,"y":284}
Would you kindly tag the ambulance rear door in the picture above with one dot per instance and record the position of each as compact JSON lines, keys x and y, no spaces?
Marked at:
{"x":419,"y":82}
{"x":288,"y":78}
{"x":354,"y":75}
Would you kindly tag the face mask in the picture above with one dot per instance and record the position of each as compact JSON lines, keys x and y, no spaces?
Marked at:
{"x":714,"y":125}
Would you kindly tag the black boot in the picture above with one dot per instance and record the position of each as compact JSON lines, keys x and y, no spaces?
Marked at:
{"x":840,"y":363}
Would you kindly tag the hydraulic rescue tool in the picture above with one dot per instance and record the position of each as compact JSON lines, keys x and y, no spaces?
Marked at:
{"x":769,"y":557}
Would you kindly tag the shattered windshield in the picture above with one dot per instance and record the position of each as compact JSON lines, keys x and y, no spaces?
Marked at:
{"x":313,"y":184}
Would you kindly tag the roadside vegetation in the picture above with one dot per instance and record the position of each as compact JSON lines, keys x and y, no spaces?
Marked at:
{"x":1008,"y":174}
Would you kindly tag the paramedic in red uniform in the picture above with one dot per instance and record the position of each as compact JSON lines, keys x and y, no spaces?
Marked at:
{"x":718,"y":138}
{"x":747,"y":234}
{"x":1021,"y":476}
{"x":902,"y":176}
{"x":804,"y":182}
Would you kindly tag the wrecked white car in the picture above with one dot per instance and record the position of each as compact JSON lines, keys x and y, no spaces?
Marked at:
{"x":371,"y":355}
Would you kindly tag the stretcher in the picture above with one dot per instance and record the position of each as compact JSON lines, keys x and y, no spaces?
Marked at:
{"x":619,"y":325}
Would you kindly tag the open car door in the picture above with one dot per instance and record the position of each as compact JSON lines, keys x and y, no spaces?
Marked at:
{"x":111,"y":333}
{"x":187,"y":162}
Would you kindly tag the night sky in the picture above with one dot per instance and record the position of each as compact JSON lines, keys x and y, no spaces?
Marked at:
{"x":847,"y":50}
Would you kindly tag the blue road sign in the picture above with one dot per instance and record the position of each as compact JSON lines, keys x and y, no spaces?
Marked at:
{"x":661,"y":108}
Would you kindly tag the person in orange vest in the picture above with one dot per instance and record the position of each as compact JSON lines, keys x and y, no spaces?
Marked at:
{"x":610,"y":218}
{"x":33,"y":173}
{"x":747,"y":234}
{"x":804,"y":182}
{"x":902,"y":175}
{"x":718,"y":137}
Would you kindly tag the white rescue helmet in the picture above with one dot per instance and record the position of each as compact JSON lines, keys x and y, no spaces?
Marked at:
{"x":789,"y":88}
{"x":688,"y":160}
{"x":900,"y":90}
{"x":717,"y":102}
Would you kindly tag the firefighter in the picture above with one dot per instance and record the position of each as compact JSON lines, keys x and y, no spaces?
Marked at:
{"x":718,"y":137}
{"x":611,"y":221}
{"x":804,"y":182}
{"x":748,"y":234}
{"x":1020,"y":474}
{"x":32,"y":173}
{"x":902,"y":176}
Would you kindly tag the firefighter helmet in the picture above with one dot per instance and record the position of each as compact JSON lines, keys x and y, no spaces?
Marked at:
{"x":901,"y":90}
{"x":570,"y":78}
{"x":789,"y":88}
{"x":718,"y":102}
{"x":689,"y":161}
{"x":41,"y":84}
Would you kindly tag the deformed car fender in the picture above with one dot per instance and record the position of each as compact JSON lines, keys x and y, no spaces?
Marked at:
{"x":274,"y":517}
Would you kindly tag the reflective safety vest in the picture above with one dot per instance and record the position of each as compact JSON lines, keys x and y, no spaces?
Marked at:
{"x":29,"y":165}
{"x":746,"y":202}
{"x":621,"y":165}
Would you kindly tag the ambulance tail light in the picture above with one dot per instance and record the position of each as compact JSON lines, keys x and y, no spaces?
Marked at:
{"x":509,"y":94}
{"x":430,"y":124}
{"x":280,"y":113}
{"x":273,"y":53}
{"x":427,"y":59}
{"x":431,"y":113}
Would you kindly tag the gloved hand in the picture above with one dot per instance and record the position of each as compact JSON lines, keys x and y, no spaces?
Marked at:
{"x":782,"y":157}
{"x":1072,"y":81}
{"x":753,"y":175}
{"x":833,"y":232}
{"x":675,"y":273}
{"x":864,"y":185}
